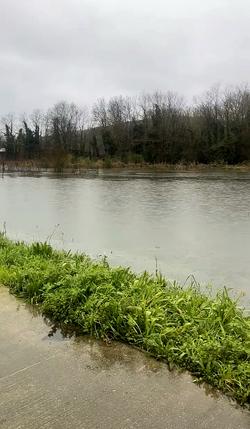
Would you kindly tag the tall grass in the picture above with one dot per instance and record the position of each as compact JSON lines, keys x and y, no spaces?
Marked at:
{"x":208,"y":336}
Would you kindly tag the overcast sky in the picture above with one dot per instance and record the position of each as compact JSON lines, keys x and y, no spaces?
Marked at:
{"x":79,"y":50}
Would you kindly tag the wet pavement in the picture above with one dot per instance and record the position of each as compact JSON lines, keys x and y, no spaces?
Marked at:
{"x":54,"y":382}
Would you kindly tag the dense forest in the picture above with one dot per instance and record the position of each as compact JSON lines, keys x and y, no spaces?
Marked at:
{"x":154,"y":128}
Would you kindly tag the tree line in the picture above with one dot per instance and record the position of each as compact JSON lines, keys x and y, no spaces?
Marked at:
{"x":155,"y":128}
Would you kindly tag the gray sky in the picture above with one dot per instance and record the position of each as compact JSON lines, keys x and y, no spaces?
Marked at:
{"x":79,"y":50}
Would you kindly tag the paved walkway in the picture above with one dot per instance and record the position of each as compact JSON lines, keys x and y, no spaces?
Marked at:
{"x":48,"y":382}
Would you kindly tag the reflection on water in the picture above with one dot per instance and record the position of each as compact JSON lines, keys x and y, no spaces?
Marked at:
{"x":190,"y":223}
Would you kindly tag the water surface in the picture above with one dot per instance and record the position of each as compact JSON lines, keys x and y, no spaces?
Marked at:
{"x":179,"y":223}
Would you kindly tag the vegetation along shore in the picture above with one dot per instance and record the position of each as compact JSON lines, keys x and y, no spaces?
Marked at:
{"x":151,"y":128}
{"x":209,"y":336}
{"x":69,"y":164}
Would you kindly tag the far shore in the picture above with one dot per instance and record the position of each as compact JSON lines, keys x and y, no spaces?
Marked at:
{"x":83,"y":164}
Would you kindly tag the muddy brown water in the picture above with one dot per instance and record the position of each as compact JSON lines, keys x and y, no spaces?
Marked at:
{"x":49,"y":381}
{"x":179,"y":223}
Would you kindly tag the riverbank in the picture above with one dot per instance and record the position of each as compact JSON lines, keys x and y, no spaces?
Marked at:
{"x":77,"y":166}
{"x":210,"y":337}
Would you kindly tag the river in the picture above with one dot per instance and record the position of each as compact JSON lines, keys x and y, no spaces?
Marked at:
{"x":178,"y":223}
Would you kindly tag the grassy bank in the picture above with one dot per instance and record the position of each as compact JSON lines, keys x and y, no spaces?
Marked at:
{"x":78,"y":165}
{"x":208,"y":336}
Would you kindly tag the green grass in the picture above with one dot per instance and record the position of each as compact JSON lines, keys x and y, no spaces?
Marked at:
{"x":209,"y":336}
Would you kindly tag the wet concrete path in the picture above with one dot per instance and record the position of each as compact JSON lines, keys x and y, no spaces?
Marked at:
{"x":51,"y":382}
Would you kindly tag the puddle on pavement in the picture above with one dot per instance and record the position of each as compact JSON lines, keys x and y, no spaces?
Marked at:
{"x":104,"y":354}
{"x":96,"y":355}
{"x":43,"y":365}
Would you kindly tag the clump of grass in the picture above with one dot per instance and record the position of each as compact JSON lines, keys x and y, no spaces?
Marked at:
{"x":208,"y":336}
